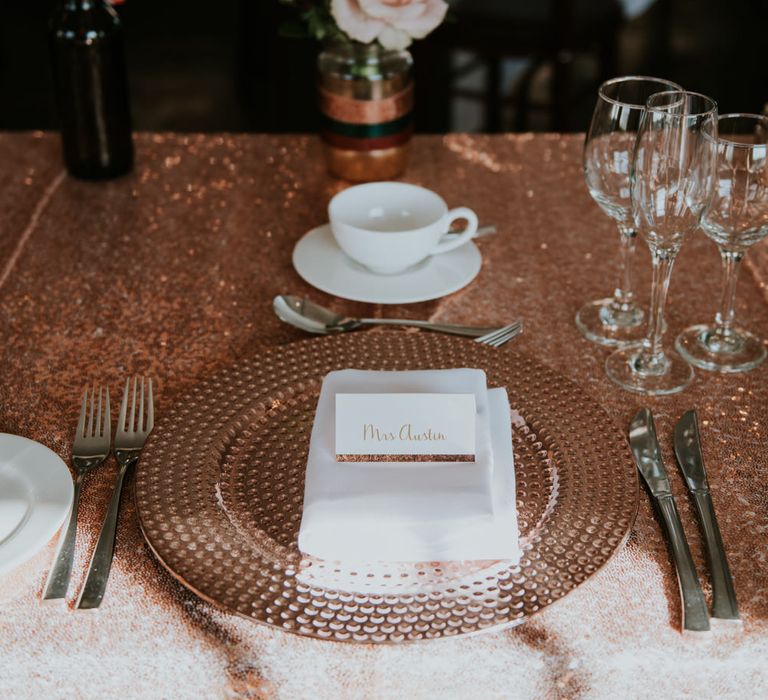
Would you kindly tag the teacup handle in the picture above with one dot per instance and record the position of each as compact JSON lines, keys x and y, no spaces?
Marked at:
{"x":457,"y":239}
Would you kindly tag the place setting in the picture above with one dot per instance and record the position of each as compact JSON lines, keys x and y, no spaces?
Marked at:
{"x":386,"y":487}
{"x":322,"y":351}
{"x":427,"y":481}
{"x":393,"y":487}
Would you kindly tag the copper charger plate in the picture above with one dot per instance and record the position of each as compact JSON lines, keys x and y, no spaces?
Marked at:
{"x":220,"y":486}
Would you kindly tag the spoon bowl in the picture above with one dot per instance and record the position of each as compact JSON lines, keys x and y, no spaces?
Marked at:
{"x":292,"y":310}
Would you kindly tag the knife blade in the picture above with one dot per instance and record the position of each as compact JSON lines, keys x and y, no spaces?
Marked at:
{"x":691,"y":462}
{"x":645,"y":447}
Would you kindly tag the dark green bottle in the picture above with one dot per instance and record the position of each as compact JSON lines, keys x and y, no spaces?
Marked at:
{"x":91,"y":89}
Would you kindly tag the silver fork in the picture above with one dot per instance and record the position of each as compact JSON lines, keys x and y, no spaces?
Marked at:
{"x":91,"y":447}
{"x":129,"y":441}
{"x":501,"y":336}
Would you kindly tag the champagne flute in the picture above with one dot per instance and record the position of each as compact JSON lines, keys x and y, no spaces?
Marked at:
{"x":608,"y":152}
{"x":672,"y":184}
{"x":737,"y":219}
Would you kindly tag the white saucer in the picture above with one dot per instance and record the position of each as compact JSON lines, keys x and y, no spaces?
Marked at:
{"x":35,"y":497}
{"x":319,"y":261}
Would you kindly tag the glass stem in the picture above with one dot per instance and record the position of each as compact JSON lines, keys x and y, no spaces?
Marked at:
{"x":623,"y":295}
{"x":652,"y":356}
{"x":724,"y":317}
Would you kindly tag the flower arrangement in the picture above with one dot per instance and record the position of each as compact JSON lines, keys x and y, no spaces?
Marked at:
{"x":394,"y":24}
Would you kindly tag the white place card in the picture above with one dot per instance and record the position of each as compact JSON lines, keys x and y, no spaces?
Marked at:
{"x":405,"y":427}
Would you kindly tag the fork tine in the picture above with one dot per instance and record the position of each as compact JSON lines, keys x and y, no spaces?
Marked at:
{"x":501,"y":338}
{"x":488,"y":338}
{"x":132,"y":424}
{"x":512,"y":327}
{"x":503,"y":335}
{"x":140,"y":425}
{"x":92,"y":406}
{"x":107,"y":417}
{"x":505,"y":332}
{"x":123,"y":409}
{"x":513,"y":333}
{"x":83,"y":408}
{"x":150,"y":408}
{"x":98,"y":412}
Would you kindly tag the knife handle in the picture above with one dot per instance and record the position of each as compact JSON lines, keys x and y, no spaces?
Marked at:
{"x":695,"y":615}
{"x":724,"y":605}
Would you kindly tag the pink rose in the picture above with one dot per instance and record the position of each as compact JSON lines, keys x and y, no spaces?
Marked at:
{"x":394,"y":23}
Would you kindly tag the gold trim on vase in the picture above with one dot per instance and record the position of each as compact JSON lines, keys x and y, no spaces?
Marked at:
{"x":362,"y":166}
{"x":352,"y":111}
{"x":364,"y":88}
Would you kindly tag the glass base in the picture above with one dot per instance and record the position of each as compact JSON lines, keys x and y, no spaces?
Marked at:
{"x":703,"y":347}
{"x":601,"y":323}
{"x":625,"y":368}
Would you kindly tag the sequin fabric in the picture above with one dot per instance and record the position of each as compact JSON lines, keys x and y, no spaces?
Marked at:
{"x":171,"y":271}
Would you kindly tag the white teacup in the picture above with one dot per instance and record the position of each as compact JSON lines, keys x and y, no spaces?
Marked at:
{"x":390,"y":226}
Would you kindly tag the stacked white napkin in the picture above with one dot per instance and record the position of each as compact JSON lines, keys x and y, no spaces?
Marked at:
{"x":412,"y":511}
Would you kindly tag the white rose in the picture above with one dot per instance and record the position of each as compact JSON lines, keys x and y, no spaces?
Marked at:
{"x":394,"y":23}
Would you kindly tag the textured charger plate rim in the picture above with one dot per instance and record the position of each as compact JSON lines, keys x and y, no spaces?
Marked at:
{"x":394,"y":337}
{"x":487,"y":630}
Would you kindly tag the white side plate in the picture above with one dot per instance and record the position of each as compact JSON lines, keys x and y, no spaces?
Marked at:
{"x":35,"y":497}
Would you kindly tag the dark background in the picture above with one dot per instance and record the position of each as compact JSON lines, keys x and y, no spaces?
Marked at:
{"x":501,"y":65}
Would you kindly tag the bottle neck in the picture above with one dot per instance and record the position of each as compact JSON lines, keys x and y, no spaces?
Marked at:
{"x":74,"y":18}
{"x":75,"y":5}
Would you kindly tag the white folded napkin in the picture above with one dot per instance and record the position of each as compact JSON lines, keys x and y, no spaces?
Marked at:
{"x":431,"y":511}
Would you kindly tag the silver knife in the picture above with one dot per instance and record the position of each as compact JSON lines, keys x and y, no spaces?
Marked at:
{"x":645,"y":447}
{"x":688,"y":451}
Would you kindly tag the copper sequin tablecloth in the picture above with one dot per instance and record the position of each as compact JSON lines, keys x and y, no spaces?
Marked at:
{"x":171,"y":271}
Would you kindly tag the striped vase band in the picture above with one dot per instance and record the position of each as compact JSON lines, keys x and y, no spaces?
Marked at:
{"x":365,"y":88}
{"x":367,"y":131}
{"x":353,"y":143}
{"x":361,"y":166}
{"x":351,"y":111}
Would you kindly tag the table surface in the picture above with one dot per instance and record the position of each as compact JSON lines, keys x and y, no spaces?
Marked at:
{"x":171,"y":271}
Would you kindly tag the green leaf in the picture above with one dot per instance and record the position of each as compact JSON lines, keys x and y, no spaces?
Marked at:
{"x":293,"y":29}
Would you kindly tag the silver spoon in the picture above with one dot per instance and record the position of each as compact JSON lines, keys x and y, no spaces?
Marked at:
{"x":314,"y":318}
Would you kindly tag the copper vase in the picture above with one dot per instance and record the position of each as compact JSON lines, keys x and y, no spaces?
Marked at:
{"x":366,"y":102}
